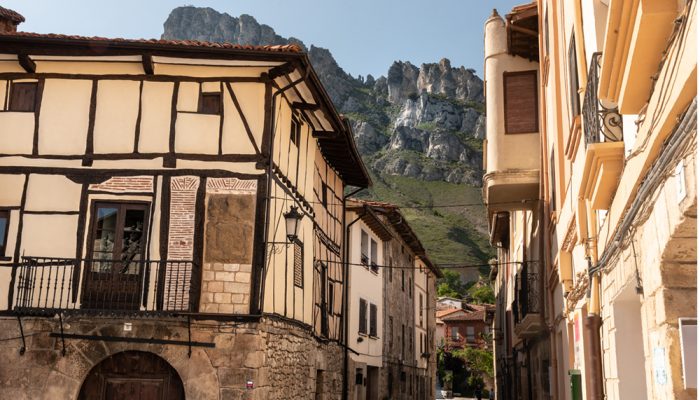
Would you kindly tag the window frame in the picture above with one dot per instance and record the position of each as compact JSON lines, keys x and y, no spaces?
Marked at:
{"x":201,"y":104}
{"x":364,"y":248}
{"x":362,"y":325}
{"x":7,"y":213}
{"x":505,"y":77}
{"x":373,"y":253}
{"x":295,"y":131}
{"x":11,"y":96}
{"x":373,"y":314}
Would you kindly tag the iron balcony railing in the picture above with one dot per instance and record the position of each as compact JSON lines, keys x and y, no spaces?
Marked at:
{"x":527,"y":295}
{"x":47,"y":286}
{"x":601,"y":120}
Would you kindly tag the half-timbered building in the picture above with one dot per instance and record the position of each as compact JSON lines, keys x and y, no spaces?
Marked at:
{"x":171,"y":220}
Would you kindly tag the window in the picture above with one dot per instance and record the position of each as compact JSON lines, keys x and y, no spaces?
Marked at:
{"x":364,"y":244}
{"x":373,"y":256}
{"x":23,"y":96}
{"x":573,"y":79}
{"x":331,"y":297}
{"x":470,"y":333}
{"x":4,"y":228}
{"x":391,"y":333}
{"x":454,"y":333}
{"x":210,"y":103}
{"x":363,"y":317}
{"x":324,"y":195}
{"x":403,"y":280}
{"x":298,"y":264}
{"x":420,"y":309}
{"x":295,"y":132}
{"x":520,"y":102}
{"x":373,"y":320}
{"x":553,"y":182}
{"x":403,"y":340}
{"x":118,"y":235}
{"x":410,"y":288}
{"x":422,"y":344}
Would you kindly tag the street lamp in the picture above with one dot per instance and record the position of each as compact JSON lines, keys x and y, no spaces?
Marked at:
{"x":291,"y":220}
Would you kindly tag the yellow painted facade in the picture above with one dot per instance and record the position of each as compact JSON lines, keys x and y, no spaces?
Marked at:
{"x":616,"y":210}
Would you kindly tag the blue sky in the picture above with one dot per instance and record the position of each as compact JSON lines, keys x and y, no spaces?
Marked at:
{"x":364,"y":36}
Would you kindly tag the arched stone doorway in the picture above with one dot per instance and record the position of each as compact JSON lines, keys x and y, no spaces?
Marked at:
{"x":132,"y":375}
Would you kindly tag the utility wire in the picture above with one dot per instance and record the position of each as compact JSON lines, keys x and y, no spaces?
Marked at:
{"x":480,"y":204}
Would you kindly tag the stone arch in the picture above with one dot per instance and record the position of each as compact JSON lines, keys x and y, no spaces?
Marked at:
{"x":132,"y":374}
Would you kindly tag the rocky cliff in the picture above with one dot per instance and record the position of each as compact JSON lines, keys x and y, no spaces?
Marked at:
{"x":421,"y":123}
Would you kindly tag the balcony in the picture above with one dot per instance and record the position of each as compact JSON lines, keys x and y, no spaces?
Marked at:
{"x":49,"y":286}
{"x":602,"y":125}
{"x":527,"y":307}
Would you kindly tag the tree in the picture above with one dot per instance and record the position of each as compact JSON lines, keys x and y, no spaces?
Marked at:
{"x":482,"y":293}
{"x":451,"y":285}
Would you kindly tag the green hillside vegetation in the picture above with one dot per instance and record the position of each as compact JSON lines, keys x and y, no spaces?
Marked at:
{"x":451,"y":235}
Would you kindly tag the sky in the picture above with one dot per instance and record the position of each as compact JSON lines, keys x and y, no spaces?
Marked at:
{"x":365,"y":36}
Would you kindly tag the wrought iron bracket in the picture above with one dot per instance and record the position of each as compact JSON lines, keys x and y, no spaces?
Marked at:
{"x":23,"y":348}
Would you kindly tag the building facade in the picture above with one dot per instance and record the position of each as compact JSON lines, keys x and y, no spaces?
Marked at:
{"x":406,"y":365}
{"x":615,"y":86}
{"x":145,"y":190}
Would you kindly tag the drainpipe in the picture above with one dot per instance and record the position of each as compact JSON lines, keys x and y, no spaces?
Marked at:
{"x":346,"y":289}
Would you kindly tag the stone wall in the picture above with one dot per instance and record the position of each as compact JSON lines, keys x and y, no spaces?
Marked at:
{"x":282,"y":360}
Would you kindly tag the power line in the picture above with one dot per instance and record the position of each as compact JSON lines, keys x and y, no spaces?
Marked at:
{"x":418,"y":207}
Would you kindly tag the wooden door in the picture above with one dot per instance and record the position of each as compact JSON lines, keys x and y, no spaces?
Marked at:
{"x":132,"y":375}
{"x":115,"y":265}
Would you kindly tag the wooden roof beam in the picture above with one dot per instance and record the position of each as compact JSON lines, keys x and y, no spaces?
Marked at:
{"x":27,"y":63}
{"x":147,"y":62}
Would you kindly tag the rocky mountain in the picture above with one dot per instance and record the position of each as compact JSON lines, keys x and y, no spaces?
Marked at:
{"x":417,"y":124}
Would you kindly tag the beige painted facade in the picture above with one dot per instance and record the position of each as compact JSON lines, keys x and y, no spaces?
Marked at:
{"x":617,"y":89}
{"x":196,"y":152}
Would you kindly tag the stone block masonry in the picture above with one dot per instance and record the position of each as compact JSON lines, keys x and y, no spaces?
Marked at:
{"x":281,"y":360}
{"x":226,"y":288}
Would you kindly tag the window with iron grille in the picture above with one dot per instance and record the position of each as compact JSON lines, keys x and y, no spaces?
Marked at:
{"x":298,"y":264}
{"x":23,"y":96}
{"x":373,"y":320}
{"x":363,"y":316}
{"x":4,"y":228}
{"x":209,"y":103}
{"x":364,"y":248}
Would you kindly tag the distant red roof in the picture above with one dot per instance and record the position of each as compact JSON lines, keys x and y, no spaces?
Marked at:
{"x":13,"y":16}
{"x":291,"y":48}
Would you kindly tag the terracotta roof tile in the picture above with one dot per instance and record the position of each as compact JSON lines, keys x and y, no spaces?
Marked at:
{"x":442,"y":313}
{"x":292,"y":48}
{"x":464,"y":316}
{"x":13,"y":16}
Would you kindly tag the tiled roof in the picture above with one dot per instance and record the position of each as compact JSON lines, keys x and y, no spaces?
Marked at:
{"x":442,"y":313}
{"x":13,"y":16}
{"x":291,"y":48}
{"x":464,"y":316}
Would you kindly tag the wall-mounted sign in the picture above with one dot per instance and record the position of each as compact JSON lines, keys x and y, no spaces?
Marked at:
{"x":249,"y":384}
{"x":660,"y":374}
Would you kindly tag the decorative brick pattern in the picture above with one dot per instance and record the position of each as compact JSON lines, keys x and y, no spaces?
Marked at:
{"x":125,"y":184}
{"x":183,"y":196}
{"x":225,"y":288}
{"x":231,"y":185}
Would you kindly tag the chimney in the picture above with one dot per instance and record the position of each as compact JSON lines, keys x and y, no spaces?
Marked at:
{"x":9,"y":20}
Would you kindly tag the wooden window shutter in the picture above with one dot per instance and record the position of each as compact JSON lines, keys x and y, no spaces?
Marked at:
{"x":298,"y":264}
{"x":520,"y":102}
{"x":373,"y":320}
{"x":363,"y":316}
{"x":573,"y":79}
{"x":210,"y":103}
{"x":23,"y":96}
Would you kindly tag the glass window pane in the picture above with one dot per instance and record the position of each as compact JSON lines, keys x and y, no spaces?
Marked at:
{"x":3,"y":228}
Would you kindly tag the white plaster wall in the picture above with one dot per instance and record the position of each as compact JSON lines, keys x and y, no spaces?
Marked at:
{"x":49,"y":235}
{"x":365,"y":284}
{"x":12,"y":187}
{"x":16,"y":132}
{"x":115,"y":116}
{"x":197,"y":133}
{"x":52,"y":193}
{"x":156,"y":103}
{"x":63,"y":121}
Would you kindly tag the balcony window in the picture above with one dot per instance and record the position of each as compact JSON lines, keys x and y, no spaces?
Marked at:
{"x":364,"y":248}
{"x":573,"y":79}
{"x":470,"y":334}
{"x":454,"y":333}
{"x":520,"y":102}
{"x":601,"y":120}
